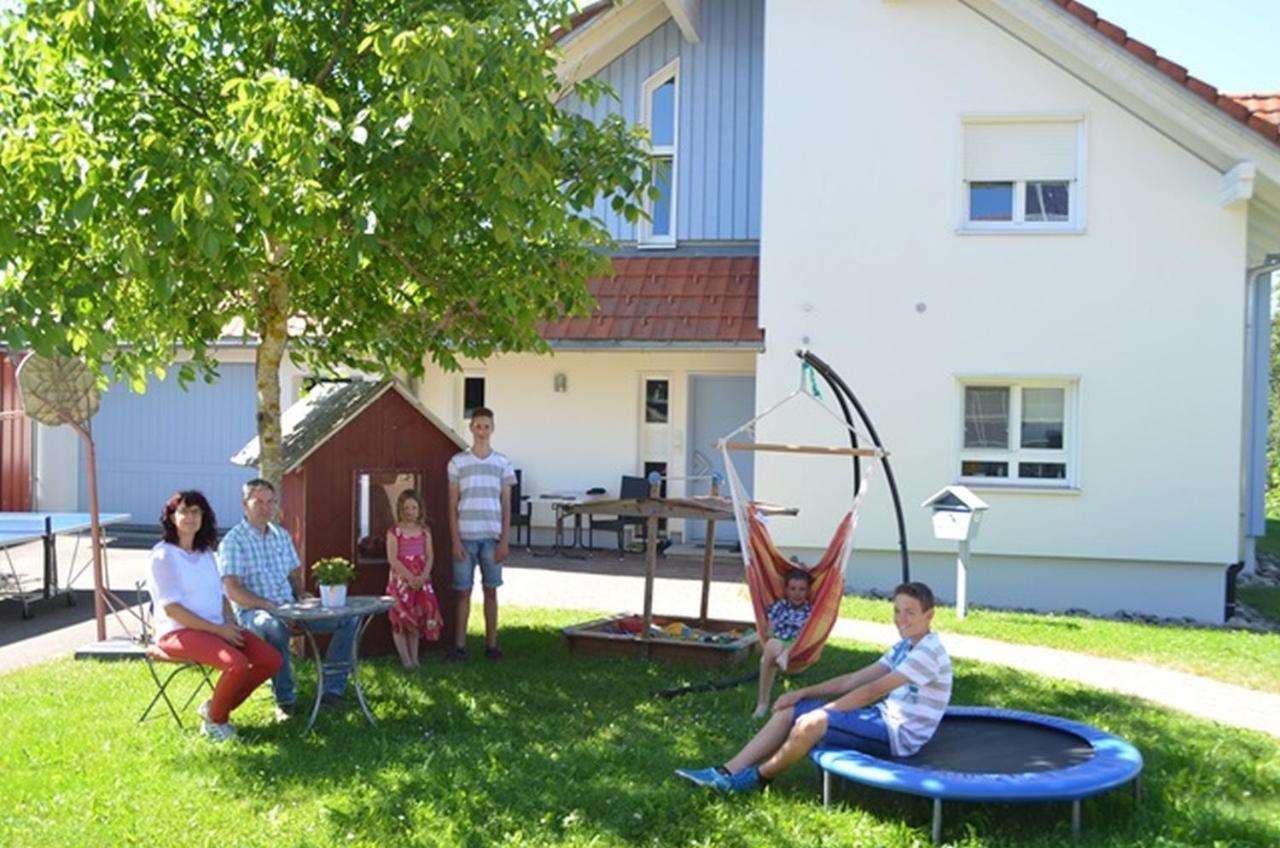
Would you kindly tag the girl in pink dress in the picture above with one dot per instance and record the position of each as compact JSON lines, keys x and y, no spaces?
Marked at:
{"x":416,"y":614}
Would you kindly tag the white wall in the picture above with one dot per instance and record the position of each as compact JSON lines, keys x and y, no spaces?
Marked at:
{"x":1102,"y":587}
{"x":57,"y":485}
{"x":862,"y":187}
{"x":588,"y":435}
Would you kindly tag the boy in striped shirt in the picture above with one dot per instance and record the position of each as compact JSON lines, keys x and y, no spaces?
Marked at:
{"x":480,"y":481}
{"x":890,"y":708}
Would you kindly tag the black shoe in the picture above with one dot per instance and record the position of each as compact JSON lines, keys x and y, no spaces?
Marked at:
{"x":332,"y":699}
{"x":456,"y":655}
{"x":494,"y":653}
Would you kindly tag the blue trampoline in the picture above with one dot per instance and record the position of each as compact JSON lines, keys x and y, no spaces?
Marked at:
{"x":988,"y":754}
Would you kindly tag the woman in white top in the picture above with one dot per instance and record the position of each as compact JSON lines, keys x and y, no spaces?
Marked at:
{"x":193,"y":617}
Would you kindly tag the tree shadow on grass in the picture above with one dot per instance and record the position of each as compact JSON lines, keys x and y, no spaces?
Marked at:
{"x":547,"y":747}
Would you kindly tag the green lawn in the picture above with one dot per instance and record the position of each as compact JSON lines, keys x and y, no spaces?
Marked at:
{"x":1271,"y":542}
{"x":548,"y":749}
{"x":1234,"y":656}
{"x":1265,"y":599}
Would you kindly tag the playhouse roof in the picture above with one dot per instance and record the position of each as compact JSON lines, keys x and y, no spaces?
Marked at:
{"x":325,"y":410}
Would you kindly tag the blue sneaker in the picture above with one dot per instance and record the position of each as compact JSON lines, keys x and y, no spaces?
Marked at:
{"x":705,"y":777}
{"x":746,"y":780}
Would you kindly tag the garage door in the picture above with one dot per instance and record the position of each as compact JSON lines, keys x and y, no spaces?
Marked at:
{"x":153,"y":444}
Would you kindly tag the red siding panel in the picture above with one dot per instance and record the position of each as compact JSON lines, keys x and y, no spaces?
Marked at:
{"x":15,"y":444}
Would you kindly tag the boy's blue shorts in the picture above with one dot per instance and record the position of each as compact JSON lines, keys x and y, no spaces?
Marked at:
{"x":481,"y":552}
{"x":862,"y":729}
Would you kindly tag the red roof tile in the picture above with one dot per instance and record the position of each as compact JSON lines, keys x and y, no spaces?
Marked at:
{"x":1261,"y":112}
{"x":1265,"y":107}
{"x":704,"y":299}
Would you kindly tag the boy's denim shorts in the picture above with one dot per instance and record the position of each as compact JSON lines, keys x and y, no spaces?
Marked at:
{"x":478,"y":552}
{"x":861,"y":729}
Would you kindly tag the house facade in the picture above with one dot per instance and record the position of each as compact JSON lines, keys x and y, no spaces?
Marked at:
{"x":1032,"y":245}
{"x":1035,"y":248}
{"x":1026,"y":242}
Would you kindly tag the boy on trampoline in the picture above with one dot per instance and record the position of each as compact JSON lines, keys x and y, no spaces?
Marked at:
{"x":787,"y":617}
{"x":890,"y":708}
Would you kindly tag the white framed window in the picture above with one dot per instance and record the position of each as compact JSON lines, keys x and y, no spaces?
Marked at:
{"x":660,"y":99}
{"x":1023,"y":174}
{"x":1018,"y":432}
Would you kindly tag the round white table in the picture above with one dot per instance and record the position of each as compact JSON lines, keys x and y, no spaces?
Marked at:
{"x":307,"y":613}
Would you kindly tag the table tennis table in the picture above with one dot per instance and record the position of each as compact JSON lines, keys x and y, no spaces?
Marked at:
{"x":20,"y":528}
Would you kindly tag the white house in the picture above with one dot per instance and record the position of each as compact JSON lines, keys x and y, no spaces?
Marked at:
{"x":1027,"y":241}
{"x":1034,"y":247}
{"x":1023,"y":238}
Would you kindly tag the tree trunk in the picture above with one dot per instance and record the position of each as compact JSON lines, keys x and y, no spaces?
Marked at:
{"x":273,"y":315}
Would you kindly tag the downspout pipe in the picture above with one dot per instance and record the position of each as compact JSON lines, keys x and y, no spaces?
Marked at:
{"x":1257,"y":393}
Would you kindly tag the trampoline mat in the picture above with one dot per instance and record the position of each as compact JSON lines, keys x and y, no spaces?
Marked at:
{"x":999,"y":746}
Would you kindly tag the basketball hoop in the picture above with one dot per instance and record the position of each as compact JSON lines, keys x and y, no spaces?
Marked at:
{"x":57,"y":390}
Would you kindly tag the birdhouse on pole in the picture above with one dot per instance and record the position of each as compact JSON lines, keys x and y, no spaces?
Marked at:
{"x":957,"y":514}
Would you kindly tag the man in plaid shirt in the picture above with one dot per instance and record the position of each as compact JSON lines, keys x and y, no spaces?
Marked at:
{"x":260,"y":571}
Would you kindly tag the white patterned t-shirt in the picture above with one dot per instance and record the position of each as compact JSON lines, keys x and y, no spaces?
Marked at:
{"x":480,"y":483}
{"x":912,"y":711}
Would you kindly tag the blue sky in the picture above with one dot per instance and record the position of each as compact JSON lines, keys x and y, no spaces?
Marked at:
{"x":1233,"y":45}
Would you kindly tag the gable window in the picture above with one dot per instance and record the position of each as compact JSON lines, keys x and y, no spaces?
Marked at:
{"x":1018,"y":433}
{"x":1023,"y":175}
{"x":660,"y":103}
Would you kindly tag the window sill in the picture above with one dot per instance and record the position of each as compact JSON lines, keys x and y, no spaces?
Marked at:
{"x":1019,"y":489}
{"x":1021,"y":231}
{"x":656,"y":245}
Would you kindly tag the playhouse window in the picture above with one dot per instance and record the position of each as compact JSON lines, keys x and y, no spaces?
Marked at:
{"x":1017,"y":432}
{"x":376,"y":493}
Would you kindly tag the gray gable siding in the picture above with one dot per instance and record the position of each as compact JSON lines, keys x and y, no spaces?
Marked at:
{"x":721,"y":94}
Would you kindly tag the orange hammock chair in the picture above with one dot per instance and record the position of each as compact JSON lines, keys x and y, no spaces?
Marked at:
{"x":766,"y":568}
{"x":767,"y":571}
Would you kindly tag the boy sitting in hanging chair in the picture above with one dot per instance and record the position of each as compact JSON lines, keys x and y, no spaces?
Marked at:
{"x":787,"y":617}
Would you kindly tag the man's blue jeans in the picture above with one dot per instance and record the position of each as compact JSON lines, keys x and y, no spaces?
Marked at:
{"x":276,"y":633}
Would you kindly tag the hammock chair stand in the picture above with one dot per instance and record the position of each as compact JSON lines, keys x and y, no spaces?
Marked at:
{"x":846,"y":398}
{"x":766,"y":566}
{"x":603,"y":636}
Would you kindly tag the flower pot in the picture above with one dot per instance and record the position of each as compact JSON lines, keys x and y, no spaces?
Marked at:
{"x":333,"y":596}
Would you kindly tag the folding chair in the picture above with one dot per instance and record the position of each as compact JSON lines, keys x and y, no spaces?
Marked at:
{"x":521,"y":510}
{"x":630,"y":487}
{"x":163,"y":667}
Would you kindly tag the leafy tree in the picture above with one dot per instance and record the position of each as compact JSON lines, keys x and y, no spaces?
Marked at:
{"x":391,"y":175}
